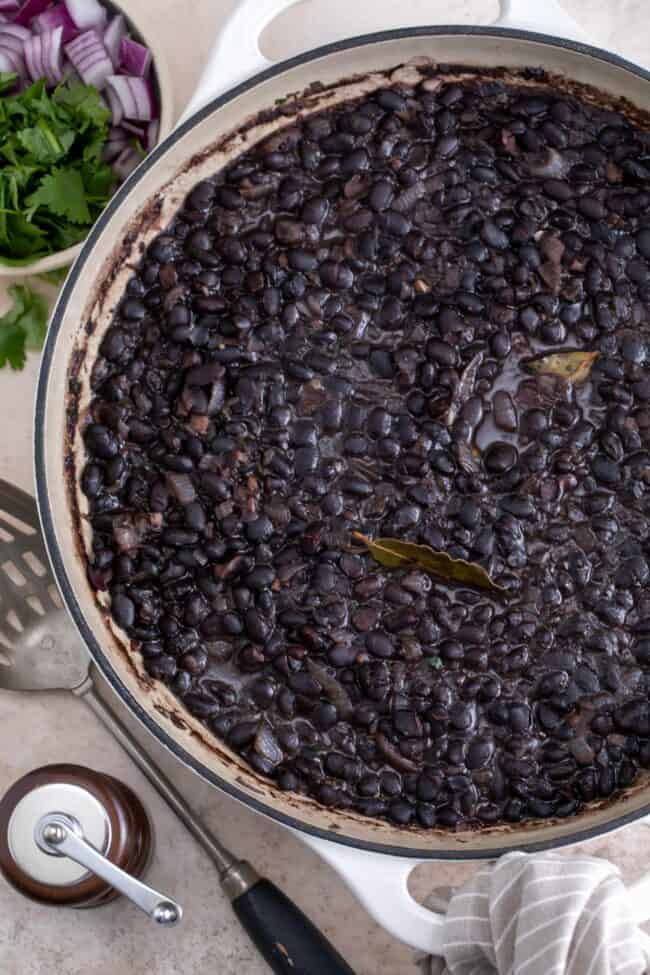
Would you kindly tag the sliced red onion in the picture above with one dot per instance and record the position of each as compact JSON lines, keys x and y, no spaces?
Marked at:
{"x":153,"y":133}
{"x":135,"y":59}
{"x":33,"y":52}
{"x":86,"y":13}
{"x":117,"y":140}
{"x":16,"y":31}
{"x":54,"y":17}
{"x":113,"y":36}
{"x":53,"y":42}
{"x":130,"y":98}
{"x":9,"y":40}
{"x":3,"y":18}
{"x":43,"y":56}
{"x":88,"y":54}
{"x":11,"y":62}
{"x":69,"y":72}
{"x":124,"y":165}
{"x":9,"y":7}
{"x":29,"y":9}
{"x":135,"y":128}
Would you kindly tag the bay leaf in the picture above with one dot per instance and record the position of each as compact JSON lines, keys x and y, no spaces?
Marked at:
{"x":574,"y":366}
{"x":464,"y":389}
{"x":395,"y":554}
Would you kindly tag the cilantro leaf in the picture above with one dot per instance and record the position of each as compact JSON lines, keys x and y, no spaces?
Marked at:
{"x":62,"y":192}
{"x":27,"y":240}
{"x":43,"y":144}
{"x":12,"y":346}
{"x":7,"y":80}
{"x":53,"y":180}
{"x":85,"y":101}
{"x":23,"y":326}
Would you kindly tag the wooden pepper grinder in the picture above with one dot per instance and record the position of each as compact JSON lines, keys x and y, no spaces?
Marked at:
{"x":78,"y":838}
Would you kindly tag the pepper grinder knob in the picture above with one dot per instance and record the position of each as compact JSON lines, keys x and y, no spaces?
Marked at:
{"x":78,"y":838}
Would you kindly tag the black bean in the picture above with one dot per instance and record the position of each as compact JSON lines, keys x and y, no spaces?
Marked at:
{"x":605,"y":470}
{"x":100,"y":441}
{"x":493,"y":235}
{"x":291,"y":347}
{"x":260,"y":578}
{"x":500,"y":457}
{"x":442,"y":352}
{"x":123,"y":610}
{"x":380,"y":645}
{"x":390,"y":100}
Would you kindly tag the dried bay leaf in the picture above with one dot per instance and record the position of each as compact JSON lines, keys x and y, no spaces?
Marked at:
{"x":574,"y":367}
{"x":394,"y":554}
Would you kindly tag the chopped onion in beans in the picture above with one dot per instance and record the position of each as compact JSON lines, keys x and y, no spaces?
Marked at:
{"x":181,"y":487}
{"x":99,"y":51}
{"x":88,"y":55}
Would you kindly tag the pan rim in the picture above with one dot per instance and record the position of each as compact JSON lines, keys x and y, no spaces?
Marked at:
{"x":99,"y":658}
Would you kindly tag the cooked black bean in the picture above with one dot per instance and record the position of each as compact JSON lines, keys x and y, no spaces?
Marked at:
{"x":500,"y":457}
{"x":100,"y":441}
{"x":123,"y":610}
{"x":335,"y":336}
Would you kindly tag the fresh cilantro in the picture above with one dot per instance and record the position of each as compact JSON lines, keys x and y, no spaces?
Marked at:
{"x":7,"y":80}
{"x":23,"y":327}
{"x":62,"y":192}
{"x":53,"y":181}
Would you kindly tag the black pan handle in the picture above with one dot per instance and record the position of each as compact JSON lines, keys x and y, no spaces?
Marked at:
{"x":284,"y":936}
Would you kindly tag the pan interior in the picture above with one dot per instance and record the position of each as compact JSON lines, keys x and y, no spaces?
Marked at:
{"x":142,"y":208}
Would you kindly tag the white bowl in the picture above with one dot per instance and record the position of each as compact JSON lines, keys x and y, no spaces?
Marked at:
{"x":162,"y":82}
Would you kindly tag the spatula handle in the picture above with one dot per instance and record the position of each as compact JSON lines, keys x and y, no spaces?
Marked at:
{"x":284,"y":936}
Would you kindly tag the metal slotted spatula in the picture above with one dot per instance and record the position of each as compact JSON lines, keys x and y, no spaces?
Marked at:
{"x":40,"y":650}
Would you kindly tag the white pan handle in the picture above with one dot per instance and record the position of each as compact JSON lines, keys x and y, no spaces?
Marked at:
{"x":541,"y":16}
{"x":380,"y":883}
{"x":236,"y":54}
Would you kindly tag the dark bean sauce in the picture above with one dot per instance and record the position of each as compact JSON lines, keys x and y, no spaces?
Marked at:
{"x":332,"y":336}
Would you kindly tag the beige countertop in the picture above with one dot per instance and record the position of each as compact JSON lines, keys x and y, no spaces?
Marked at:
{"x":39,"y":729}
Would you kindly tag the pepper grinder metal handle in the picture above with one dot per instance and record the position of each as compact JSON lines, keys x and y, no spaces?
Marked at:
{"x":61,"y":835}
{"x":79,"y":838}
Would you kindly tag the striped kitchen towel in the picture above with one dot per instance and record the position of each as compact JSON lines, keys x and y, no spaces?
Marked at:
{"x":540,"y":914}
